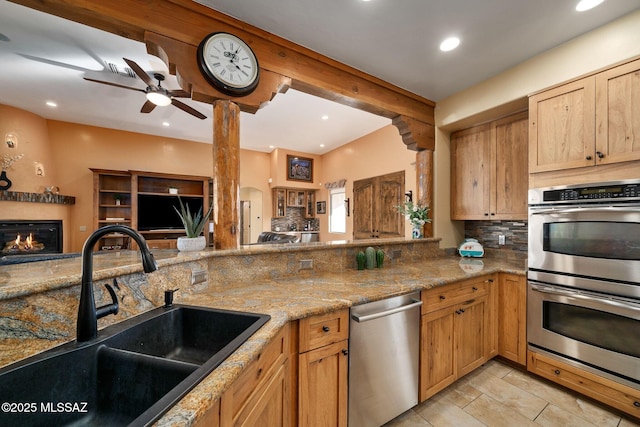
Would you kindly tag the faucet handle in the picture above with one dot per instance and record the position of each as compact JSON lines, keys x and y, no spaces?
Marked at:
{"x":168,"y":297}
{"x":109,"y":308}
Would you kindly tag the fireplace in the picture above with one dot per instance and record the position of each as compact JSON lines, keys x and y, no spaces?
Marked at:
{"x":30,"y":237}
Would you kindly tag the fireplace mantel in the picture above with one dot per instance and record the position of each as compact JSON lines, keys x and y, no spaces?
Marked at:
{"x":20,"y":196}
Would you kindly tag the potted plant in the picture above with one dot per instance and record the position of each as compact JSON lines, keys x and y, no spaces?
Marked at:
{"x":193,"y":225}
{"x":417,"y":215}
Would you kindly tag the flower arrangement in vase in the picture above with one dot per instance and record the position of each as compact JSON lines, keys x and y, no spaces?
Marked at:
{"x":417,"y":215}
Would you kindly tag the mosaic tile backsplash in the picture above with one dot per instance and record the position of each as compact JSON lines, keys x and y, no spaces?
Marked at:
{"x":487,"y":232}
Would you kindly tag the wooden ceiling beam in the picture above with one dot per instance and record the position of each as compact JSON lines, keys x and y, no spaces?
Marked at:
{"x":187,"y":22}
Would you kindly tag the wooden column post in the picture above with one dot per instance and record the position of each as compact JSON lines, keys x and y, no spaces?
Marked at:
{"x":226,"y":174}
{"x":424,"y":185}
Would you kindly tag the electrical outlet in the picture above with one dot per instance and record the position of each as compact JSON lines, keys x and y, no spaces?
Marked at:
{"x":396,"y":253}
{"x":501,"y":239}
{"x":306,"y":264}
{"x":198,"y":276}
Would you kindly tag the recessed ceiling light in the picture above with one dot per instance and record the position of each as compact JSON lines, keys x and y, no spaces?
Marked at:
{"x":587,"y":4}
{"x":321,"y":145}
{"x":325,"y":117}
{"x":166,"y":124}
{"x":449,"y":44}
{"x":51,"y":104}
{"x":272,"y":147}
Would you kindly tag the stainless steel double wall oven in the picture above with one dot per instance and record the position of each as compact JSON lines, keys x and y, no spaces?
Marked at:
{"x":583,"y":297}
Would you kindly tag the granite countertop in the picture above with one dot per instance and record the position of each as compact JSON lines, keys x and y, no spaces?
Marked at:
{"x":283,"y":298}
{"x":290,"y":299}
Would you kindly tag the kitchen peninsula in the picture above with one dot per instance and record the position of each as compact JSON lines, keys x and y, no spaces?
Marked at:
{"x":41,"y":298}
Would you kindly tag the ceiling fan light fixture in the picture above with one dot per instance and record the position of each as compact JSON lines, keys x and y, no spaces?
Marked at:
{"x":159,"y":98}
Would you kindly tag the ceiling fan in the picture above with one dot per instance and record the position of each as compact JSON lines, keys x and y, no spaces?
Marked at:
{"x":156,"y":94}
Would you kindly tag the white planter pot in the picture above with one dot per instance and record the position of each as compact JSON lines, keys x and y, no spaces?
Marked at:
{"x":191,"y":244}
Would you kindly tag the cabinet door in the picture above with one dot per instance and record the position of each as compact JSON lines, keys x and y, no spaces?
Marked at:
{"x":617,"y":117}
{"x":391,"y":194}
{"x":562,"y":127}
{"x":279,"y":202}
{"x":470,"y":338}
{"x":512,"y":304}
{"x":509,"y":189}
{"x":269,"y":406}
{"x":437,"y":352}
{"x":471,"y":173}
{"x":363,"y":195}
{"x":322,"y":389}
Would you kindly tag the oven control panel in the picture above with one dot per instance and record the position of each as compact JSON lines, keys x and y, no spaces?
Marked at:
{"x":601,"y":192}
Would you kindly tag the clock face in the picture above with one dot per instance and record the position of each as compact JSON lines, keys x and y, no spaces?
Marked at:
{"x":229,"y":64}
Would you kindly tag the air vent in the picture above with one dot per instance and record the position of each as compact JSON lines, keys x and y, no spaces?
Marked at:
{"x":127,"y":72}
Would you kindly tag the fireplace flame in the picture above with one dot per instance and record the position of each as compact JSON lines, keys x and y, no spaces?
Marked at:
{"x":29,"y":242}
{"x":21,"y":245}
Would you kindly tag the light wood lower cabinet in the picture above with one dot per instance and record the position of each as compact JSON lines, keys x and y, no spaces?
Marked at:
{"x":323,"y":370}
{"x":458,"y":332}
{"x":512,"y":315}
{"x":261,"y":395}
{"x":619,"y":396}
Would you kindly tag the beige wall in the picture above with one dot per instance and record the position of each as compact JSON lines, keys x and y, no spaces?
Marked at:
{"x":375,"y":154}
{"x":508,"y":91}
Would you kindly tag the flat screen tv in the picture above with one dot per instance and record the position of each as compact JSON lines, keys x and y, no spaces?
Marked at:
{"x":157,"y":212}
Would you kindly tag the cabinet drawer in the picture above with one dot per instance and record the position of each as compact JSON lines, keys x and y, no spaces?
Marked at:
{"x":602,"y":389}
{"x":456,"y":293}
{"x":274,"y":354}
{"x":318,"y":331}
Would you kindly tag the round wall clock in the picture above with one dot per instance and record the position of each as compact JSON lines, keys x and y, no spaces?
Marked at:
{"x":229,"y":64}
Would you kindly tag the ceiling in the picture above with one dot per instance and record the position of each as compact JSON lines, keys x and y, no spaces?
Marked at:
{"x":44,"y":58}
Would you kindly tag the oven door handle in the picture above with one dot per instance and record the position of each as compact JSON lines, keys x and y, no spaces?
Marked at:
{"x":617,"y":209}
{"x":586,"y":297}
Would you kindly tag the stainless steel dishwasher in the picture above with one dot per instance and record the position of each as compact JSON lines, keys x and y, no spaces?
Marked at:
{"x":384,"y":346}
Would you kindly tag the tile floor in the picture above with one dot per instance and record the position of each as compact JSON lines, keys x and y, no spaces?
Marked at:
{"x":497,"y":395}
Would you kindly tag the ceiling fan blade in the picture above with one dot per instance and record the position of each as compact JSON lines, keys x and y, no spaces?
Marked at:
{"x":179,"y":93}
{"x":184,"y":107}
{"x":115,"y":84}
{"x":147,"y":107}
{"x":140,"y":72}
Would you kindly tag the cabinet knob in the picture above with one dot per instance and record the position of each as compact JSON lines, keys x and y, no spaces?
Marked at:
{"x":557,"y":372}
{"x":600,"y":154}
{"x":486,"y":214}
{"x":326,"y":328}
{"x":345,"y":351}
{"x":442,"y":297}
{"x":474,"y":289}
{"x":636,"y":404}
{"x":589,"y":158}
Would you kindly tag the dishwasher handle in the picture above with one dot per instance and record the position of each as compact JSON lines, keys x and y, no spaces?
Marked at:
{"x":361,"y":319}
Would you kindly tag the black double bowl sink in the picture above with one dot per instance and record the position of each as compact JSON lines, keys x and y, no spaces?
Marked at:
{"x":132,"y":374}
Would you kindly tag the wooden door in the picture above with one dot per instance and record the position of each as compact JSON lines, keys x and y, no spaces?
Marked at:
{"x":511,"y":159}
{"x":437,"y":352}
{"x":562,"y":127}
{"x":322,"y":391}
{"x":363,"y":227}
{"x":471,"y":173}
{"x":391,"y":194}
{"x":470,"y":330}
{"x":617,"y":114}
{"x":374,"y":211}
{"x":513,"y":318}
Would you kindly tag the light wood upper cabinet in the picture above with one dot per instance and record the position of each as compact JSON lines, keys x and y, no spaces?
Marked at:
{"x":561,"y":127}
{"x":489,"y":177}
{"x":618,"y":114}
{"x":587,"y":122}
